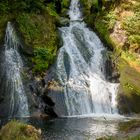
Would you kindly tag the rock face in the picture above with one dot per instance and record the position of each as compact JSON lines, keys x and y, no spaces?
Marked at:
{"x":64,"y":21}
{"x":42,"y":102}
{"x":119,"y":35}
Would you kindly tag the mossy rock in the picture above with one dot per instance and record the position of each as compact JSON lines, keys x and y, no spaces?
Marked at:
{"x":40,"y":33}
{"x":129,"y":93}
{"x":130,"y":79}
{"x":16,"y":130}
{"x":36,"y":25}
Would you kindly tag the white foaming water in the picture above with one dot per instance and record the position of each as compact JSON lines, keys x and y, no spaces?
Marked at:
{"x":80,"y":70}
{"x":74,"y":12}
{"x":14,"y":86}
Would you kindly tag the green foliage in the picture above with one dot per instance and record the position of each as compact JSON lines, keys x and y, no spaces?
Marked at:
{"x":127,"y":126}
{"x":134,"y":138}
{"x":28,"y":27}
{"x":134,"y":39}
{"x":129,"y":56}
{"x":102,"y":28}
{"x":15,"y":130}
{"x":110,"y":19}
{"x":36,"y":22}
{"x":88,"y":4}
{"x":18,"y":5}
{"x":130,"y":78}
{"x":4,"y":8}
{"x":64,"y":7}
{"x":104,"y":24}
{"x":132,"y":25}
{"x":39,"y":32}
{"x":51,"y":10}
{"x":42,"y":59}
{"x":129,"y":86}
{"x":65,"y":3}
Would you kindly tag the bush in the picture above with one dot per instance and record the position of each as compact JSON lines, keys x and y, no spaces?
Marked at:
{"x":134,"y":39}
{"x":132,"y":26}
{"x":42,"y":59}
{"x":4,"y":8}
{"x":110,"y":19}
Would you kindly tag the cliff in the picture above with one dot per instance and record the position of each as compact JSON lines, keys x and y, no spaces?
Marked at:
{"x":117,"y":23}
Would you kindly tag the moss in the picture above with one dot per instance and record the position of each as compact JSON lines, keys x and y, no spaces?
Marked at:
{"x":37,"y":29}
{"x":4,"y":7}
{"x":43,"y":57}
{"x":129,"y":94}
{"x":89,"y":7}
{"x":130,"y":77}
{"x":39,"y":32}
{"x":132,"y":25}
{"x":129,"y":125}
{"x":15,"y":130}
{"x":102,"y":29}
{"x":65,"y":4}
{"x":36,"y":22}
{"x":51,"y":10}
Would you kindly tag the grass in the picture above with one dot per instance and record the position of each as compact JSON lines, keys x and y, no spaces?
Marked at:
{"x":16,"y":130}
{"x":129,"y":125}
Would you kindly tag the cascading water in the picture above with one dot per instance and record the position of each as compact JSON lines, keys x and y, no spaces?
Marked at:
{"x":80,"y":69}
{"x":15,"y":101}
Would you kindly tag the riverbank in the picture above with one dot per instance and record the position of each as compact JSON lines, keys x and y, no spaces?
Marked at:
{"x":15,"y":130}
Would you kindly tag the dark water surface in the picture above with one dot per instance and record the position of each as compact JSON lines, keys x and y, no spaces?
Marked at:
{"x":77,"y":128}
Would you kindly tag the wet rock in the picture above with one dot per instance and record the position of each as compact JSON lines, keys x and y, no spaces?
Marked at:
{"x":64,"y":21}
{"x":114,"y":78}
{"x":1,"y":99}
{"x":93,"y":9}
{"x":43,"y":82}
{"x":47,"y":100}
{"x":58,"y":6}
{"x":108,"y":68}
{"x":50,"y":112}
{"x":27,"y":50}
{"x":44,"y":116}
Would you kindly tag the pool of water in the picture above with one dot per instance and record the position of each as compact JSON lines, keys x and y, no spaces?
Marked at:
{"x":78,"y":128}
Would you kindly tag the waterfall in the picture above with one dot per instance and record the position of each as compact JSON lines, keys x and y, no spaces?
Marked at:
{"x":80,"y":69}
{"x":15,"y":100}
